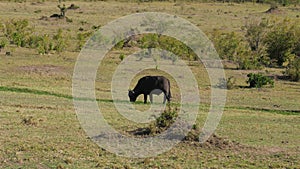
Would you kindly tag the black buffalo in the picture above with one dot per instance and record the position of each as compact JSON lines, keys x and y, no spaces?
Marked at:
{"x":149,"y":85}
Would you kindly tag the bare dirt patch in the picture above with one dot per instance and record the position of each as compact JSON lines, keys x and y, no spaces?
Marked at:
{"x":214,"y":141}
{"x":43,"y":69}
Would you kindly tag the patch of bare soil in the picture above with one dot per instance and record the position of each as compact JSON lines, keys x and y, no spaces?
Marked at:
{"x":214,"y":141}
{"x":221,"y":143}
{"x":193,"y":138}
{"x":42,"y":69}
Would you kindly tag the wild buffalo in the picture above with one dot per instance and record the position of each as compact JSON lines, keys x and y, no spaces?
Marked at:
{"x":149,"y":85}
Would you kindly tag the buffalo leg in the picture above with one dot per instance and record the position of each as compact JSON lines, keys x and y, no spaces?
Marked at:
{"x":145,"y":98}
{"x":166,"y":97}
{"x":151,"y":98}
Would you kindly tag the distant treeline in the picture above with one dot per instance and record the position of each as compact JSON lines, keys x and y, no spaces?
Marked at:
{"x":281,"y":2}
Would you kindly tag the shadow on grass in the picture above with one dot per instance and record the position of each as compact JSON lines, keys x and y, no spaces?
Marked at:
{"x":65,"y":96}
{"x":47,"y":93}
{"x":70,"y":97}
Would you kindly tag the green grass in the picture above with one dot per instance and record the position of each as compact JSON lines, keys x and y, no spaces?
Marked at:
{"x":39,"y":127}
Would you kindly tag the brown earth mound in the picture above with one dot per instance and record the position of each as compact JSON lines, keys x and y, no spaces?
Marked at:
{"x":218,"y":142}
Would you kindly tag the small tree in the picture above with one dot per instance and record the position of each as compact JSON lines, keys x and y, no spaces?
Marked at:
{"x":226,"y":44}
{"x":280,"y":42}
{"x":255,"y":33}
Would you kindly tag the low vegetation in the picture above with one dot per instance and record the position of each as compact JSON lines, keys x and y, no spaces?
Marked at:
{"x":21,"y":34}
{"x":293,"y":69}
{"x":265,"y":43}
{"x":259,"y":80}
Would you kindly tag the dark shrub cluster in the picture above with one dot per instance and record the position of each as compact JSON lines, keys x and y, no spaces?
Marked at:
{"x":258,"y":80}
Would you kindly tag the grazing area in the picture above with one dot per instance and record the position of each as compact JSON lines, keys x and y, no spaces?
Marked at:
{"x":259,"y":46}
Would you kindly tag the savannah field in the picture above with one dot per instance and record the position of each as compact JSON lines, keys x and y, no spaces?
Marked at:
{"x":260,"y":128}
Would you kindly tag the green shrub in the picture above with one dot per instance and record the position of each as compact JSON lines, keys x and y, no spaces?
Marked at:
{"x":81,"y":39}
{"x":249,"y":60}
{"x":165,"y":120}
{"x":17,"y":32}
{"x":293,"y":69}
{"x":3,"y":42}
{"x":44,"y":45}
{"x":122,"y":56}
{"x":281,"y":40}
{"x":33,"y":41}
{"x":255,"y":33}
{"x":60,"y":43}
{"x":230,"y":82}
{"x":226,"y":44}
{"x":259,"y":80}
{"x":166,"y":43}
{"x":231,"y":46}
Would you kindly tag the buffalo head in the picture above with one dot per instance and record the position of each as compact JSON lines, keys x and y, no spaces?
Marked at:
{"x":132,"y":96}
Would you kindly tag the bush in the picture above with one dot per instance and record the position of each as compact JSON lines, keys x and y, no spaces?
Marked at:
{"x":231,"y":46}
{"x":44,"y":45}
{"x":259,"y":80}
{"x":281,"y":41}
{"x":121,"y":56}
{"x":255,"y":33}
{"x":17,"y":32}
{"x":59,"y":41}
{"x":293,"y":69}
{"x":226,"y":44}
{"x":230,"y":82}
{"x":3,"y":43}
{"x":81,"y":39}
{"x":164,"y":120}
{"x":166,"y":43}
{"x":249,"y":60}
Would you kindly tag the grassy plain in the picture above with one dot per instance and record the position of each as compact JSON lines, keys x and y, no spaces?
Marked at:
{"x":260,"y":128}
